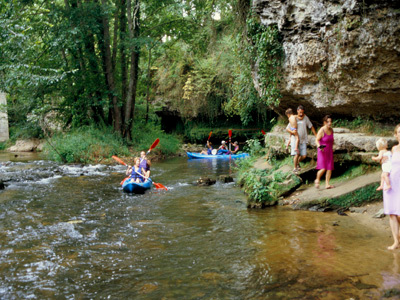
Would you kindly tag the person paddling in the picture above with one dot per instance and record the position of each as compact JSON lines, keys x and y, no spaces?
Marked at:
{"x":134,"y":171}
{"x":236,"y":148}
{"x":223,"y":149}
{"x":209,"y":149}
{"x":145,"y":164}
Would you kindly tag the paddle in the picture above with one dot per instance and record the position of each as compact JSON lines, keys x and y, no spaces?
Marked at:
{"x":157,"y":185}
{"x":209,"y":136}
{"x":230,"y":136}
{"x":153,"y":145}
{"x":263,"y":132}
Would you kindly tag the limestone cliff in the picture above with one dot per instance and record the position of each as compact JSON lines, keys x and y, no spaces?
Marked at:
{"x":341,"y":57}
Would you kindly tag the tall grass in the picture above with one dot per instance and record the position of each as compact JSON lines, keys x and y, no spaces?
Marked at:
{"x":143,"y":136}
{"x":87,"y":144}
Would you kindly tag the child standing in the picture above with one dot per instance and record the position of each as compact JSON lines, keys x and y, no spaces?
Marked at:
{"x":293,"y":128}
{"x":385,"y":158}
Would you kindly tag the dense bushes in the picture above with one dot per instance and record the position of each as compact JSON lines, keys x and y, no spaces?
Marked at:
{"x":85,"y":145}
{"x":144,"y":135}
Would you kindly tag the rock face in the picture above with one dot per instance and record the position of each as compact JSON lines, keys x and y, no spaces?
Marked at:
{"x":341,"y":57}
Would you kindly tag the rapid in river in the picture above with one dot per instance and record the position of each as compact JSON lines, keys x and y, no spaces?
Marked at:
{"x":70,"y":232}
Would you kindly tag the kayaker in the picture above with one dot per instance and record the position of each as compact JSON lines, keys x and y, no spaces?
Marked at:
{"x":223,"y":149}
{"x":132,"y":172}
{"x":145,"y":164}
{"x":236,"y":148}
{"x":209,"y":149}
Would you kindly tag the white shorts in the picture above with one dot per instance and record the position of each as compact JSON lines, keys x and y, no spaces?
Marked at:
{"x":302,"y":149}
{"x":387,"y":167}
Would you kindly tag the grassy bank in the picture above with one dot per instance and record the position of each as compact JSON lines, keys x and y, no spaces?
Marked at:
{"x":93,"y":145}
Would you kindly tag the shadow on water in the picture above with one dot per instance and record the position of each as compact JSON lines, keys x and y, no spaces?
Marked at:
{"x":68,"y":231}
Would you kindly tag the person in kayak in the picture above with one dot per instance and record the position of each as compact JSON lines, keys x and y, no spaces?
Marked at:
{"x":145,"y":164}
{"x":236,"y":148}
{"x":134,"y":172}
{"x":223,"y":149}
{"x":209,"y":149}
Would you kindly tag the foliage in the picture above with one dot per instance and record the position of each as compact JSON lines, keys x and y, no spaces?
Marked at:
{"x":145,"y":134}
{"x":267,"y":51}
{"x":75,"y":59}
{"x":253,"y":147}
{"x":264,"y":187}
{"x":86,"y":144}
{"x":365,"y":125}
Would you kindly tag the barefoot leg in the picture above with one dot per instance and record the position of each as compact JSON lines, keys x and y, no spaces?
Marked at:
{"x":394,"y":226}
{"x":318,"y":179}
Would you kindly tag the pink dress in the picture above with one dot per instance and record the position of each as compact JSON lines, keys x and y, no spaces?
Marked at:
{"x":325,"y":158}
{"x":391,"y":198}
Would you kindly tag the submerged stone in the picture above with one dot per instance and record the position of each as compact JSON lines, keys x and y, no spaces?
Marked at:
{"x":205,"y":181}
{"x":225,"y":178}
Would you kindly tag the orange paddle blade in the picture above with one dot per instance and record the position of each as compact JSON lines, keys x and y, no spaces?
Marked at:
{"x":118,"y":160}
{"x":230,"y":133}
{"x":263,"y":132}
{"x":209,"y":135}
{"x":159,"y":186}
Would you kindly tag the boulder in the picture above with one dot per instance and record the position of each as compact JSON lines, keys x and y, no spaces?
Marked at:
{"x":340,"y":57}
{"x":27,"y":146}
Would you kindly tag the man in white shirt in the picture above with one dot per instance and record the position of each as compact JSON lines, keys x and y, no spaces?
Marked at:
{"x":303,"y":125}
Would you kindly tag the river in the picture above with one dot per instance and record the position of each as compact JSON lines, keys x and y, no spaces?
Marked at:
{"x":70,"y":232}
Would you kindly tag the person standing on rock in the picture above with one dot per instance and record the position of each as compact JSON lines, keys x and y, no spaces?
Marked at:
{"x":303,"y":125}
{"x":391,"y":197}
{"x":324,"y":141}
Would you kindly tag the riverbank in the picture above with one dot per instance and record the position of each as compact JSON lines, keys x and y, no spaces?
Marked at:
{"x":355,"y":178}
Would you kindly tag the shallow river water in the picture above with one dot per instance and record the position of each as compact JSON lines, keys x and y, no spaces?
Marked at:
{"x":69,"y":232}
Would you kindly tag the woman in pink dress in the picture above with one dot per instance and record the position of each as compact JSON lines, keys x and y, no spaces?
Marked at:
{"x":391,"y":197}
{"x":324,"y":143}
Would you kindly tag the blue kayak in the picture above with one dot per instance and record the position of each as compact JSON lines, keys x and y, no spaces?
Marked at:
{"x":130,"y":186}
{"x":195,"y":155}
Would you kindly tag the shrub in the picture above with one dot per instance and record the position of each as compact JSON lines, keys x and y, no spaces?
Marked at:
{"x":87,"y":144}
{"x":143,"y":136}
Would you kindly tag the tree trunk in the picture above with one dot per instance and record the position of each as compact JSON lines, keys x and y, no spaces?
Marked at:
{"x":148,"y":86}
{"x":122,"y":52}
{"x":110,"y":73}
{"x":134,"y":31}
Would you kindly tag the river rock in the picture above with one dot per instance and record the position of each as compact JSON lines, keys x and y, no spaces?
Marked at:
{"x":358,"y":210}
{"x":205,"y":181}
{"x":2,"y":186}
{"x":225,"y":178}
{"x":340,"y":57}
{"x":27,"y":146}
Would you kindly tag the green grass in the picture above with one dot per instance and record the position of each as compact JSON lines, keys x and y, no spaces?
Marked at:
{"x":85,"y":145}
{"x":143,"y":137}
{"x":366,"y":126}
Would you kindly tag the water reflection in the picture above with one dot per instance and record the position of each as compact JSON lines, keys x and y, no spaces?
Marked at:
{"x":70,"y":232}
